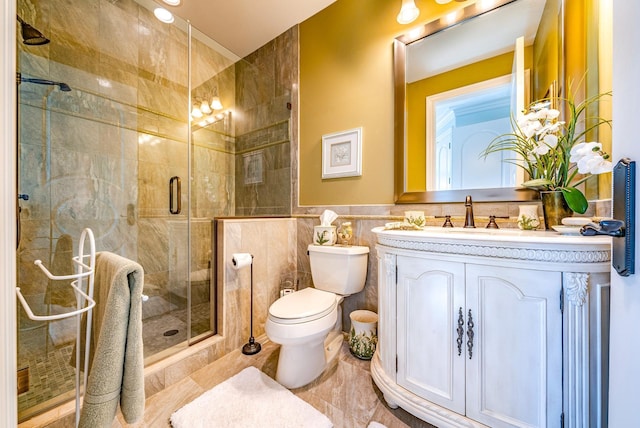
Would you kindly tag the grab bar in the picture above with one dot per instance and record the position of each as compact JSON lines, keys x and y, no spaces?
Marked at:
{"x":178,"y":186}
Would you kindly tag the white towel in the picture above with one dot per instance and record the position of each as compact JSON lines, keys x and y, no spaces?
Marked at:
{"x":117,"y":371}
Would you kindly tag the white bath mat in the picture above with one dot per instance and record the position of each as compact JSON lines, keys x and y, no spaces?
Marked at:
{"x":249,"y":399}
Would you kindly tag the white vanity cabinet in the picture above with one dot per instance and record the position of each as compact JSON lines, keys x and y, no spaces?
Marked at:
{"x":471,"y":327}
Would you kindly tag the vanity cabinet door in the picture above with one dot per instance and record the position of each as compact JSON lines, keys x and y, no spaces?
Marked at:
{"x":514,"y":375}
{"x":430,"y":296}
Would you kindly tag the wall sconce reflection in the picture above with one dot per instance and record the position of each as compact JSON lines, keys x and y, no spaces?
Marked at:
{"x":207,"y":111}
{"x":208,"y":120}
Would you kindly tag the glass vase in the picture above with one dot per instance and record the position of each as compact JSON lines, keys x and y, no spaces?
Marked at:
{"x":554,"y":208}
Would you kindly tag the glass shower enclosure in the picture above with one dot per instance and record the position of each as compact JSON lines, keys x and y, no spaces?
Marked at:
{"x":117,"y":132}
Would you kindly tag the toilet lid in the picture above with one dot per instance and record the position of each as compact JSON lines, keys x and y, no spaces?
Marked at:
{"x":305,"y":305}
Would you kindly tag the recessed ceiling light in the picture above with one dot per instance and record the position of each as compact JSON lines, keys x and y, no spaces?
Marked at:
{"x":172,"y":2}
{"x":163,"y":15}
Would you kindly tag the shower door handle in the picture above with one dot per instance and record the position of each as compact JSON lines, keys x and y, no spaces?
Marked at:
{"x":178,"y":192}
{"x":18,"y":225}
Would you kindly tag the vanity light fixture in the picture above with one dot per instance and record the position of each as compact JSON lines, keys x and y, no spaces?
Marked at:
{"x":204,"y":108}
{"x":216,"y":104}
{"x":196,"y":113}
{"x":205,"y":113}
{"x":487,"y":4}
{"x":215,"y":101}
{"x":451,"y":18}
{"x":408,"y":12}
{"x":163,"y":15}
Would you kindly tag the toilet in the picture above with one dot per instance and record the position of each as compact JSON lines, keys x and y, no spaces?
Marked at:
{"x":307,"y":324}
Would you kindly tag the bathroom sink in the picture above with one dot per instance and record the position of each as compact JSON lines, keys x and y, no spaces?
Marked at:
{"x":472,"y":230}
{"x":481,"y":234}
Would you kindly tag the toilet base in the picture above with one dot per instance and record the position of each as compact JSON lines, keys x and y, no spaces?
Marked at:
{"x":316,"y":357}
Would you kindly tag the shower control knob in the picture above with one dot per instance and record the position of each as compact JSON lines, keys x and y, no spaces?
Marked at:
{"x":23,"y":196}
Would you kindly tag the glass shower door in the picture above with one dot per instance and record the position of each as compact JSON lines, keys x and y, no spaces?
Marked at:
{"x":102,"y":155}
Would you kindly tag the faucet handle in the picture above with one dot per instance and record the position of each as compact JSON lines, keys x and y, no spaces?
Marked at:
{"x":447,"y":220}
{"x":492,"y":221}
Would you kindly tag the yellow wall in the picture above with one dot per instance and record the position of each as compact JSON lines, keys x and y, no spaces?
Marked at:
{"x":547,"y":51}
{"x":605,"y":74}
{"x":346,"y":81}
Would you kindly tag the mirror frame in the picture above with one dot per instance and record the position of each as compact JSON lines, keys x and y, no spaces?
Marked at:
{"x":401,"y":196}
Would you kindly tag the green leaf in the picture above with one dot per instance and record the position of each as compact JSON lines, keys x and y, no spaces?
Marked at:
{"x":538,"y":182}
{"x":575,"y":199}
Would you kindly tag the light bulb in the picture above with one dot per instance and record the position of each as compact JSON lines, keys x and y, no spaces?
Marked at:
{"x":204,"y":108}
{"x":408,"y":12}
{"x":443,"y":1}
{"x":196,"y":112}
{"x":172,"y":2}
{"x":216,"y":104}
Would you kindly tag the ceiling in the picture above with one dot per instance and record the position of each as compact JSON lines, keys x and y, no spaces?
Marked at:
{"x":242,"y":26}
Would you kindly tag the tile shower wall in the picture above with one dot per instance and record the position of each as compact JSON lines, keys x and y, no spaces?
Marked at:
{"x":263,"y":127}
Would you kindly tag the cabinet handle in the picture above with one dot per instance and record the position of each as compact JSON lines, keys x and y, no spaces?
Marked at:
{"x":460,"y":330}
{"x":178,"y":187}
{"x":470,"y":334}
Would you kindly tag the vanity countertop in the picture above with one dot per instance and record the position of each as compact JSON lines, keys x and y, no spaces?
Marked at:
{"x":493,"y":235}
{"x":546,"y":250}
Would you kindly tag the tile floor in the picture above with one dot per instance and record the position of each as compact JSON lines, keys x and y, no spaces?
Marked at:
{"x":345,"y":392}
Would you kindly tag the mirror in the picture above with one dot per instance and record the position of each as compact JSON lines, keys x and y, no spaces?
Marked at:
{"x":469,"y":49}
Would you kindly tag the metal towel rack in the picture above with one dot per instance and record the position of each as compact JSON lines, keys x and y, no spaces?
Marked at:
{"x":85,"y":270}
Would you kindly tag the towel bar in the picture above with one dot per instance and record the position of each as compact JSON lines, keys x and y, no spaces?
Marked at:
{"x":84,"y":303}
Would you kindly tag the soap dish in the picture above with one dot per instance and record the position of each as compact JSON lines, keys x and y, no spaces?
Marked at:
{"x":576,"y":221}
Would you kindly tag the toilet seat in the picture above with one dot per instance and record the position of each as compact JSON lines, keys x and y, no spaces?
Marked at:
{"x":302,"y":306}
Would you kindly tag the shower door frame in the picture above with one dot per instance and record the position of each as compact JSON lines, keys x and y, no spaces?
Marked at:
{"x":8,"y":170}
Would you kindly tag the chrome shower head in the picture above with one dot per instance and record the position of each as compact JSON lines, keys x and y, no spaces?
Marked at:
{"x":31,"y":36}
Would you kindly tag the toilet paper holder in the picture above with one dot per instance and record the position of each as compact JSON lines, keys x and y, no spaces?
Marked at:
{"x":242,"y":260}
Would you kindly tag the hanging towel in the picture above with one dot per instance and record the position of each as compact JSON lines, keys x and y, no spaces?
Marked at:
{"x":117,"y":368}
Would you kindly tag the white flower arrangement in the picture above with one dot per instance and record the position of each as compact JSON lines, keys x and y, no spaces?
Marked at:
{"x":550,"y":150}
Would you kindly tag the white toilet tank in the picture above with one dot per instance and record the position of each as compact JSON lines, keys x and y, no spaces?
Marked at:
{"x":338,"y":269}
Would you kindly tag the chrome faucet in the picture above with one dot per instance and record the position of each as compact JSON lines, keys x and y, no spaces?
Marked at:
{"x":468,"y":218}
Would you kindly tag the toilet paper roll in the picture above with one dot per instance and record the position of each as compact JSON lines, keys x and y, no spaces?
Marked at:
{"x":241,"y":260}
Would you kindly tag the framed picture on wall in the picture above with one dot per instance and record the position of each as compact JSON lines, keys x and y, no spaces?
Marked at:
{"x":342,"y":154}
